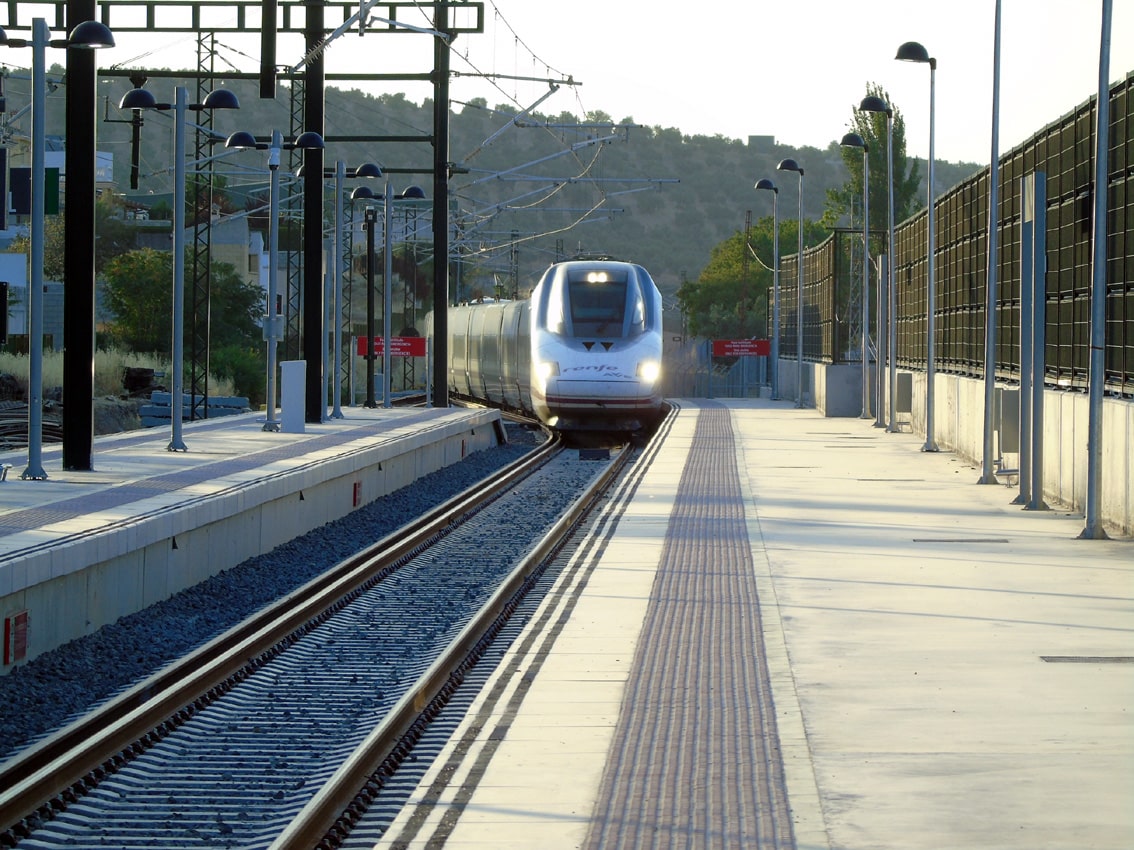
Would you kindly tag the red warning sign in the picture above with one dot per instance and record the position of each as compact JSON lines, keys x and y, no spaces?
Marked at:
{"x":16,"y":637}
{"x":400,"y":346}
{"x":741,"y":347}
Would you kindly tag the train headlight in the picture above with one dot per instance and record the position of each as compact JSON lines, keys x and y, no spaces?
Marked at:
{"x":648,"y":370}
{"x":547,"y":369}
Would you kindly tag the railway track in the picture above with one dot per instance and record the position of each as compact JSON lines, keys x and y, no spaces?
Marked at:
{"x":266,"y":735}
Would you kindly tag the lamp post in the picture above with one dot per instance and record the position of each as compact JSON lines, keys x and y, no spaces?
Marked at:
{"x":365,"y":193}
{"x":272,"y":317}
{"x":367,"y":169}
{"x":911,"y":51}
{"x":854,"y":140}
{"x":887,"y":302}
{"x":988,"y":476}
{"x":1096,"y":376}
{"x":143,"y":99}
{"x":411,"y":193}
{"x":792,"y":165}
{"x":387,"y":288}
{"x":89,"y":34}
{"x":765,"y":183}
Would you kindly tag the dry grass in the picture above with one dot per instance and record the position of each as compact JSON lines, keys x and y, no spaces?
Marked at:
{"x":108,"y":370}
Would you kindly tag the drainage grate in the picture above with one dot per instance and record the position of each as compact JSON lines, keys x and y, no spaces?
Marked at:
{"x":1088,"y":659}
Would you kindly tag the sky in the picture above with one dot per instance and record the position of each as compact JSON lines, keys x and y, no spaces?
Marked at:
{"x":796,"y":70}
{"x":792,"y":71}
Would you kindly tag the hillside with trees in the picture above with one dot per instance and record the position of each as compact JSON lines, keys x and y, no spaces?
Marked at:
{"x":529,"y":189}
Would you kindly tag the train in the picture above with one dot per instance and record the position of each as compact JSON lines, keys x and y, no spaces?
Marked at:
{"x":582,"y":354}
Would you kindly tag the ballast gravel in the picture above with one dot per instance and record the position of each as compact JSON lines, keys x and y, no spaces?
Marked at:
{"x":39,"y":697}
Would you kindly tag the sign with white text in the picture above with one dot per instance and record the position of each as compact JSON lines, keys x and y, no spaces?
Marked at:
{"x":400,"y":346}
{"x":741,"y":347}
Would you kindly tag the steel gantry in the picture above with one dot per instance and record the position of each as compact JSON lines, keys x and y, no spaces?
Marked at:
{"x":320,"y":22}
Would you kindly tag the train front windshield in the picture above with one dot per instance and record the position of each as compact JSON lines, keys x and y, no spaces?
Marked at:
{"x":598,"y":303}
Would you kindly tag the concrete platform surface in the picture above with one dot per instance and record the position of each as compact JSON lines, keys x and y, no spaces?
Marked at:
{"x":948,"y":670}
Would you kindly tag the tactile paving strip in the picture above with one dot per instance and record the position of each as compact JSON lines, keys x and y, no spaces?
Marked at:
{"x":695,"y":762}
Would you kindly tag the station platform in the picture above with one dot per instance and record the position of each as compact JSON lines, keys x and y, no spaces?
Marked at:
{"x":793,"y":631}
{"x":80,"y":549}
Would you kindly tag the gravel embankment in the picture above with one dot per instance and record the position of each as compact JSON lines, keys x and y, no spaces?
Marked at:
{"x":39,"y":696}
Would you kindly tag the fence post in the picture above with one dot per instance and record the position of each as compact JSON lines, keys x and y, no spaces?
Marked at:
{"x":1033,"y":319}
{"x":1027,"y":232}
{"x":1037,"y":211}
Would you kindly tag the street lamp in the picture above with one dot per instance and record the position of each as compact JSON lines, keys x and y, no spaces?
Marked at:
{"x":387,"y":197}
{"x":854,"y":140}
{"x":988,"y":476}
{"x":143,"y":99}
{"x":89,"y":34}
{"x":911,"y":51}
{"x":792,"y":165}
{"x":887,"y":306}
{"x":339,"y":173}
{"x":272,"y":318}
{"x":365,"y":193}
{"x":765,"y":183}
{"x":367,"y":169}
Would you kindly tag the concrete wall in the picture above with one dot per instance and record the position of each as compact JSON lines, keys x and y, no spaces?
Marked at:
{"x":74,"y":588}
{"x":959,"y":425}
{"x":837,"y":389}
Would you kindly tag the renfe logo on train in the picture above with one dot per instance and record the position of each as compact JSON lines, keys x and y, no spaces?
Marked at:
{"x":741,"y":347}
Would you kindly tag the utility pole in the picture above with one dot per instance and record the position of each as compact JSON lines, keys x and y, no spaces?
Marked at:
{"x":441,"y":204}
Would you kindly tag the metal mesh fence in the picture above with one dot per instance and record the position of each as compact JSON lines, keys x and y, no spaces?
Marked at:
{"x":1064,"y":151}
{"x":827,"y":286}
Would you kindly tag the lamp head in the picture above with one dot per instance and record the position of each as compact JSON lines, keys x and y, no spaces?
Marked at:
{"x":873,"y":103}
{"x":220,"y":99}
{"x":413,"y":193}
{"x":240,"y":139}
{"x":854,"y":140}
{"x":367,"y":169}
{"x":362,"y":193}
{"x":765,"y":183}
{"x":138,"y":99}
{"x":912,"y":51}
{"x":309,"y":139}
{"x":91,"y":34}
{"x":790,"y":165}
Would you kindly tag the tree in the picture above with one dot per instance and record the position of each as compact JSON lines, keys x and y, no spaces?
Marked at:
{"x":206,"y":194}
{"x":139,"y":292}
{"x":115,"y":236}
{"x":725,"y":302}
{"x":872,"y":127}
{"x":140,"y":295}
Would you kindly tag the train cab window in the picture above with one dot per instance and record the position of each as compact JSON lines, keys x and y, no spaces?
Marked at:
{"x":598,"y":303}
{"x":594,"y":303}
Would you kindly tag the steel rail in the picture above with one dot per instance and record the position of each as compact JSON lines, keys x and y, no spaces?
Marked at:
{"x":42,"y":779}
{"x":331,"y":812}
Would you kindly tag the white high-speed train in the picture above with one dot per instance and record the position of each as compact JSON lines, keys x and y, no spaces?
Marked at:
{"x":583,"y":353}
